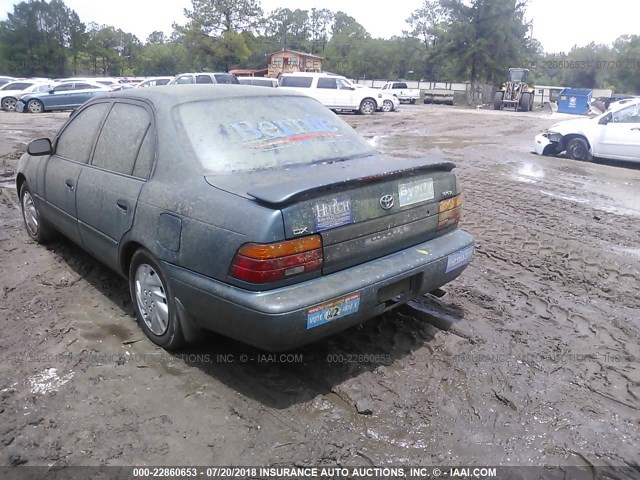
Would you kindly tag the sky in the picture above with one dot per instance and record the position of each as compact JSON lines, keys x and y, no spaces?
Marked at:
{"x":557,"y":24}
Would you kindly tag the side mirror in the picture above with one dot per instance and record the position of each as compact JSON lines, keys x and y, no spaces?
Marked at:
{"x":604,"y":120}
{"x":51,"y":91}
{"x":39,"y":147}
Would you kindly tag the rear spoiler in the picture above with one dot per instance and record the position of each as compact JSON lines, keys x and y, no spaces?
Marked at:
{"x":304,"y":181}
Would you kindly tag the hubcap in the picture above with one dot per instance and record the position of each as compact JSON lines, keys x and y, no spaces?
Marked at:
{"x":368,"y":107}
{"x":30,"y":214}
{"x":387,"y":106}
{"x":151,"y":298}
{"x":35,"y":107}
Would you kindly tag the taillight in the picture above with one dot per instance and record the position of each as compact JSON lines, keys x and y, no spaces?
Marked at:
{"x":449,"y":212}
{"x":263,"y":263}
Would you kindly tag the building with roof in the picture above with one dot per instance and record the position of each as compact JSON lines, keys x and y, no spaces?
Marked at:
{"x":289,"y":61}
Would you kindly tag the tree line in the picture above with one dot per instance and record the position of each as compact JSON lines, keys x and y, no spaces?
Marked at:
{"x":444,"y":40}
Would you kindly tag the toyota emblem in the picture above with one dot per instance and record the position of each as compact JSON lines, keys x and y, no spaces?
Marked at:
{"x":386,"y":202}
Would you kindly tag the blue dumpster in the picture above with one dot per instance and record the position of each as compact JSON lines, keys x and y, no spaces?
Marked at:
{"x":574,"y":100}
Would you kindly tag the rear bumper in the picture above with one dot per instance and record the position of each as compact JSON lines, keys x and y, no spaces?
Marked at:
{"x":291,"y":316}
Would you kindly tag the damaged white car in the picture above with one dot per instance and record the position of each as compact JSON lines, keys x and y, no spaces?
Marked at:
{"x":614,"y":134}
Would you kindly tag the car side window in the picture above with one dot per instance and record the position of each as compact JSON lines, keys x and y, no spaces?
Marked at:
{"x":343,"y":84}
{"x":203,"y":79}
{"x":83,"y":86}
{"x":629,"y":114}
{"x":226,"y":78}
{"x":184,"y":80}
{"x":327,"y":83}
{"x":76,"y":140}
{"x":121,"y":137}
{"x":144,"y":161}
{"x":299,"y":82}
{"x":64,"y":87}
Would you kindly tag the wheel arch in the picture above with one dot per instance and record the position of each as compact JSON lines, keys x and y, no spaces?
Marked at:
{"x":20,"y":180}
{"x":126,"y":254}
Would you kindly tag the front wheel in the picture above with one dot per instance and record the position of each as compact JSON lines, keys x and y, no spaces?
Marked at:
{"x":578,"y":149}
{"x":497,"y":100}
{"x":367,"y":107}
{"x":35,"y":106}
{"x":153,"y":302}
{"x":9,"y":104}
{"x":387,"y":106}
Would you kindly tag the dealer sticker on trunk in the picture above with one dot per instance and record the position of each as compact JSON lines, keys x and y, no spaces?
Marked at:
{"x":330,"y":311}
{"x":415,"y":192}
{"x":458,"y":259}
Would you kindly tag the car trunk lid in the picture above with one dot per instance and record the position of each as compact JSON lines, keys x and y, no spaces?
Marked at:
{"x":363,"y":208}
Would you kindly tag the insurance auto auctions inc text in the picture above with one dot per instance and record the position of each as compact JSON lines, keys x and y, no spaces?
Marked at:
{"x":377,"y":472}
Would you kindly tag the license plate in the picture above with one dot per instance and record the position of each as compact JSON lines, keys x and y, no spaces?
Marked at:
{"x":330,"y":311}
{"x":415,"y":192}
{"x":458,"y":259}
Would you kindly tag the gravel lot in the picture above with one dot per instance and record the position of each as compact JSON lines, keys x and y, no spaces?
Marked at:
{"x":540,"y":365}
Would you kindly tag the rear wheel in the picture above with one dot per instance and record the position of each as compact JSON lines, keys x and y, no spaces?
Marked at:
{"x":497,"y":100}
{"x":153,"y":301}
{"x":9,"y":103}
{"x":578,"y":149}
{"x":37,"y":228}
{"x":35,"y":106}
{"x":367,"y":107}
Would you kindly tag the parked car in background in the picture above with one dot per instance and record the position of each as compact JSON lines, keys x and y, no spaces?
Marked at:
{"x":334,"y":91}
{"x":271,"y":221}
{"x":5,"y":80}
{"x":614,"y":135}
{"x":154,"y":82}
{"x":389,"y":102}
{"x":13,"y":90}
{"x":63,"y":96}
{"x":404,"y":93}
{"x":204,"y":78}
{"x":258,"y":81}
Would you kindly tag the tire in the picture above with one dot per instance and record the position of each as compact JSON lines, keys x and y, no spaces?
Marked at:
{"x":525,"y":102}
{"x":387,"y":106}
{"x":497,"y":100}
{"x":578,"y":149}
{"x":9,"y":104}
{"x":153,"y":301}
{"x":367,"y":107}
{"x":37,"y":227}
{"x":412,"y":101}
{"x":35,"y":106}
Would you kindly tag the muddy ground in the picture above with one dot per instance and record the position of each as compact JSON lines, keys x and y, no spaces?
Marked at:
{"x":540,"y":366}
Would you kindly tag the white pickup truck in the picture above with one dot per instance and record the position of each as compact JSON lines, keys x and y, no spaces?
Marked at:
{"x":338,"y":93}
{"x":400,"y":90}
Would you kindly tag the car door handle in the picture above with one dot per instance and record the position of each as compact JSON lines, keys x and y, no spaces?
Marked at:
{"x":123,"y":205}
{"x":70,"y":184}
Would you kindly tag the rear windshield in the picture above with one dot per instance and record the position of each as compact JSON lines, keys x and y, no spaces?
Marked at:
{"x":253,"y":133}
{"x":299,"y":82}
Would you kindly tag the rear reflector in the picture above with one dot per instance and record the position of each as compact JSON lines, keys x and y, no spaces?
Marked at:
{"x":449,"y":212}
{"x":263,"y":263}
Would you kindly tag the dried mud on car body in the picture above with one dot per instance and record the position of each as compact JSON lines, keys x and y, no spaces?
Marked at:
{"x":540,"y":365}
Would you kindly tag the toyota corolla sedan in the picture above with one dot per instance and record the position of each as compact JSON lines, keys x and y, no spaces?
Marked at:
{"x":64,"y":96}
{"x":254,"y":213}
